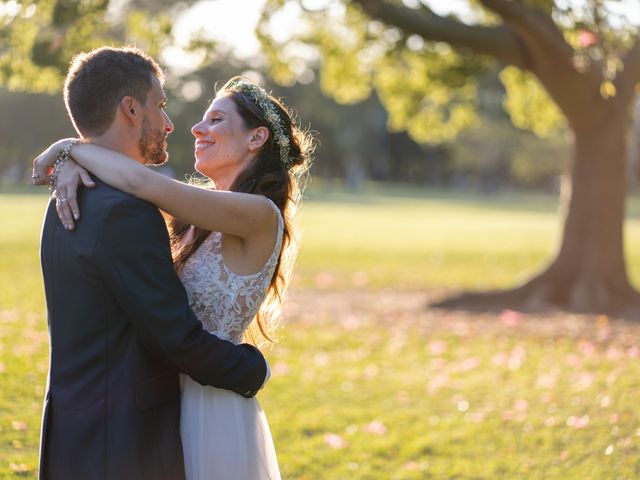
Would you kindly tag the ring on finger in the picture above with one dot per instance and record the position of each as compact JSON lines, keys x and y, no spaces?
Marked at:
{"x":62,"y":200}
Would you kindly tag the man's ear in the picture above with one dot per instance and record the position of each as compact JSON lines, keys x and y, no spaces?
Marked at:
{"x":259,"y":137}
{"x":131,"y":109}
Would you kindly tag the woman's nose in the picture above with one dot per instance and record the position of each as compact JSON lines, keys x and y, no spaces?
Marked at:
{"x":197,"y":129}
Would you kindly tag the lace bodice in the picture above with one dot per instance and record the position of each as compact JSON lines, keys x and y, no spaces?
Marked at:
{"x":224,"y":301}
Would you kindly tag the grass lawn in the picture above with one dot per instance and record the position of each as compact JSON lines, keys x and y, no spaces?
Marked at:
{"x":434,"y":240}
{"x":367,"y":382}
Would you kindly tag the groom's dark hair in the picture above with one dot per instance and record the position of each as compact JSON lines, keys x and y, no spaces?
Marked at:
{"x":97,"y":81}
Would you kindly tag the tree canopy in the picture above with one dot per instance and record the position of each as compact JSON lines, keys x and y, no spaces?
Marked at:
{"x":424,"y":65}
{"x":39,"y":38}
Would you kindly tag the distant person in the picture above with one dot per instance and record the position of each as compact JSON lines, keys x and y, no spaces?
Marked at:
{"x":230,"y":244}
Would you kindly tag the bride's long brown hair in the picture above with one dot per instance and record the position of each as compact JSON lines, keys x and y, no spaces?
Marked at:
{"x":265,"y":175}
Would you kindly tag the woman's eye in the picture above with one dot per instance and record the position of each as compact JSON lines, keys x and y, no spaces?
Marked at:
{"x":215,"y":120}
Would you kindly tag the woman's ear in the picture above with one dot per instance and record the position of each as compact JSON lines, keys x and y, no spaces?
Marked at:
{"x":131,"y":109}
{"x":258,"y":138}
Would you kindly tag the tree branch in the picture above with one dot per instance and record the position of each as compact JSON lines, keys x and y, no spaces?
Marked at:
{"x":498,"y":42}
{"x":551,"y":58}
{"x":538,"y":30}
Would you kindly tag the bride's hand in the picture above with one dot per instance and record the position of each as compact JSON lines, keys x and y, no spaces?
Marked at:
{"x":69,"y":179}
{"x":42,"y":163}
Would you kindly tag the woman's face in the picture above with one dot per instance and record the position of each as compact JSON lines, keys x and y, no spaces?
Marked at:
{"x":222,"y":148}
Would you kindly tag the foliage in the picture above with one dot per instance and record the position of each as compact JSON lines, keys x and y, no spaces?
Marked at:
{"x":492,"y":155}
{"x":370,"y":384}
{"x":529,"y":104}
{"x":423,"y":96}
{"x":36,"y":120}
{"x":427,"y":87}
{"x":39,"y":38}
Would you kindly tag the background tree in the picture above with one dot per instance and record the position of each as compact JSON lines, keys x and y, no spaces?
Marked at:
{"x":564,"y":66}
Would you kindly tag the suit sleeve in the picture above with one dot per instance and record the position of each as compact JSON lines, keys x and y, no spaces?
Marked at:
{"x":136,"y":260}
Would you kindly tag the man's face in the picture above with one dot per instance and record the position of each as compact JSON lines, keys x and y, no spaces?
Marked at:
{"x":156,"y":126}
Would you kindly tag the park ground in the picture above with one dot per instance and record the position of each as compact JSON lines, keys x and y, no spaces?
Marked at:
{"x":369,"y":382}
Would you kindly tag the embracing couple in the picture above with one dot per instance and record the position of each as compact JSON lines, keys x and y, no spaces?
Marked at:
{"x":149,"y":378}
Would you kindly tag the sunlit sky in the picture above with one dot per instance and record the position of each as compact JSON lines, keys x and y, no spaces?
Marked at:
{"x":228,"y":21}
{"x":233,"y":22}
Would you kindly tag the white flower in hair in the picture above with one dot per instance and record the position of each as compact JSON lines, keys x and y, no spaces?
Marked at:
{"x":261,"y":98}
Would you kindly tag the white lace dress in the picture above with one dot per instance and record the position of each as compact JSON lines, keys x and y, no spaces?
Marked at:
{"x":224,"y":435}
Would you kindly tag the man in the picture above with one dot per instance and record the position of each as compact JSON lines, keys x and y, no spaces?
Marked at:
{"x":119,"y":322}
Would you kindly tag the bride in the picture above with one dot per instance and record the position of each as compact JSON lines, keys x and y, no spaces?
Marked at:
{"x":232,"y":245}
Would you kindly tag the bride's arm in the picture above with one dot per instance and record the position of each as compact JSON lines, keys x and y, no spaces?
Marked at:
{"x":240,"y":214}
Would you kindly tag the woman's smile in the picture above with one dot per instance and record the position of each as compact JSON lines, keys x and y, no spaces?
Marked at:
{"x":203,"y":145}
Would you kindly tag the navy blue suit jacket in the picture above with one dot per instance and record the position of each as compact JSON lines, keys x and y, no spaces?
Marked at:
{"x":121,"y":329}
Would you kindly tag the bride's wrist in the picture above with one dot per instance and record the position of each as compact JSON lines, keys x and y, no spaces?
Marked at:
{"x":61,"y":158}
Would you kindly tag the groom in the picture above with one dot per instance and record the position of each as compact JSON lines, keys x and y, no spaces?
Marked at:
{"x":119,"y":321}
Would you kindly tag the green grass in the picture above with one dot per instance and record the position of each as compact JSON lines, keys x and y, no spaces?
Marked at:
{"x":406,"y":401}
{"x":433,"y":240}
{"x":367,"y":383}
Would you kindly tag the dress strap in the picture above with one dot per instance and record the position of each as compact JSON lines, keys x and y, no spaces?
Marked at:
{"x":279,"y":214}
{"x":278,"y":245}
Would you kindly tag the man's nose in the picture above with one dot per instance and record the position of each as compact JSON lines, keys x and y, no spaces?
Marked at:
{"x":168,"y":124}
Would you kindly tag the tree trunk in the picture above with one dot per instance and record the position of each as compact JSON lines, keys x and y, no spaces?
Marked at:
{"x":588,"y":273}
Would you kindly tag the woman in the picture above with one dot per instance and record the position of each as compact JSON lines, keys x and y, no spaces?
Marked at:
{"x":231,"y":247}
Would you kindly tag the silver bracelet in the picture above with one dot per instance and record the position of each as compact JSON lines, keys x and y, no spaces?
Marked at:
{"x":57,"y":165}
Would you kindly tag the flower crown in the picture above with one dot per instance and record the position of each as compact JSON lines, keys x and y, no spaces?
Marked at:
{"x":261,"y":98}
